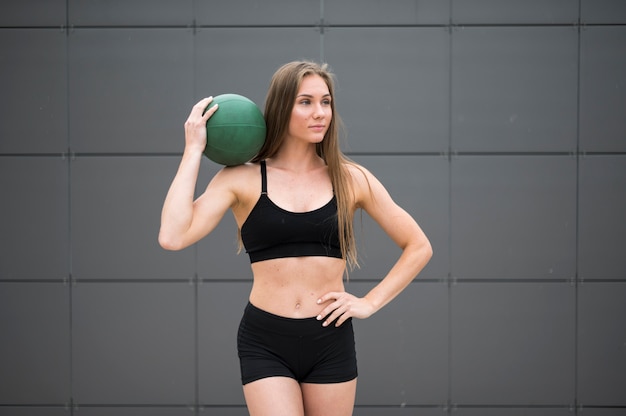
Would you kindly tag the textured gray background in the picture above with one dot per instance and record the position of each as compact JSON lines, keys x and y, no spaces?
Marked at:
{"x":499,"y":124}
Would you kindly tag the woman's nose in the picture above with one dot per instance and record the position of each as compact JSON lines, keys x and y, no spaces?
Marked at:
{"x":318,"y":111}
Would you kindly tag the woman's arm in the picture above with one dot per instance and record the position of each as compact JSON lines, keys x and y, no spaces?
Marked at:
{"x":183,"y":220}
{"x":403,"y":230}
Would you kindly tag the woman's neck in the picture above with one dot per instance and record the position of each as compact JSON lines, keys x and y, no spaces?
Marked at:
{"x":297,"y":160}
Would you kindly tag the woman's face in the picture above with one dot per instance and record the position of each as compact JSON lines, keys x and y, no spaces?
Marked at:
{"x":312,"y":112}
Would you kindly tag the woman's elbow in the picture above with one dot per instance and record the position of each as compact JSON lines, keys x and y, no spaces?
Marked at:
{"x":169,"y":243}
{"x":425,"y":249}
{"x":420,"y":250}
{"x":428,"y":251}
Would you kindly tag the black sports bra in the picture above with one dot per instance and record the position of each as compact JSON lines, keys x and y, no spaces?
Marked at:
{"x":271,"y":232}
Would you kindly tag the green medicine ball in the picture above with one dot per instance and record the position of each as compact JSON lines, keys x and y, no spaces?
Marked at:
{"x":235,"y":132}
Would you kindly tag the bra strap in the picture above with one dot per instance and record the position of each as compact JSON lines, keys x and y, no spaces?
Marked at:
{"x":263,"y":178}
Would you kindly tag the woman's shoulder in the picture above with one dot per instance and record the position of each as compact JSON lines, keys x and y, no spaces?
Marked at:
{"x":242,"y":181}
{"x":239,"y":172}
{"x":365,"y":184}
{"x":358,"y":174}
{"x":238,"y":177}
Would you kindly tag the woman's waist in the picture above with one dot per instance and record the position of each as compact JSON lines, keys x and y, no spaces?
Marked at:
{"x":294,"y":292}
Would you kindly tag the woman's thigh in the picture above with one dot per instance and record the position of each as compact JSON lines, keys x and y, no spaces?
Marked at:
{"x":274,"y":396}
{"x":335,"y":399}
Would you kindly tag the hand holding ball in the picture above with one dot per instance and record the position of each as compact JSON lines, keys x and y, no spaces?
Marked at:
{"x":235,"y":132}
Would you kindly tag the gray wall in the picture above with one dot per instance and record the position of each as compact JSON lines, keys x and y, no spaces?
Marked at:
{"x":499,"y":124}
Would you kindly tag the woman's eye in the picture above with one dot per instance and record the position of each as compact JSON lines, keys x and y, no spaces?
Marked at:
{"x":305,"y":102}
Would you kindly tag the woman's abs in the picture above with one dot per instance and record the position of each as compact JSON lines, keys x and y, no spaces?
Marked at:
{"x":290,"y":287}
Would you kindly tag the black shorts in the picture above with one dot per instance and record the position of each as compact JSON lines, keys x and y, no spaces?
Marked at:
{"x":271,"y":345}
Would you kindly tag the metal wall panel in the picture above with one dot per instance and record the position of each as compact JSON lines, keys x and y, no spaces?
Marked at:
{"x":513,"y":217}
{"x":514,"y":89}
{"x":601,"y":347}
{"x":242,"y":60}
{"x":514,"y":11}
{"x":376,"y":12}
{"x":131,"y":411}
{"x":34,"y":343}
{"x":512,"y":412}
{"x":602,"y":11}
{"x":17,"y":13}
{"x":133,"y":343}
{"x":223,"y":411}
{"x":220,"y":308}
{"x":513,"y":343}
{"x":131,"y":89}
{"x":602,"y":86}
{"x":255,"y":13}
{"x":34,"y":411}
{"x":420,"y":185}
{"x":590,"y":411}
{"x":402,"y":350}
{"x":34,"y":218}
{"x":392,"y":88}
{"x":601,"y":225}
{"x":130,"y":13}
{"x":33,"y":82}
{"x":395,"y":411}
{"x":116,"y":210}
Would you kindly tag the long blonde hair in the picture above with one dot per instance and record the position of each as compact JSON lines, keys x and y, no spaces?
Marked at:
{"x":279,"y":103}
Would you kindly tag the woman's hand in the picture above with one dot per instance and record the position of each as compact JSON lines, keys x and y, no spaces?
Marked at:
{"x":195,"y":126}
{"x":344,"y":306}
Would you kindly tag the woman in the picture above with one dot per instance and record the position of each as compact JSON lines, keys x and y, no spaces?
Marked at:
{"x":294,"y":204}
